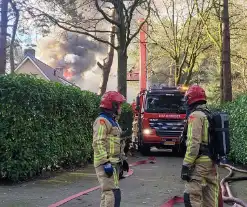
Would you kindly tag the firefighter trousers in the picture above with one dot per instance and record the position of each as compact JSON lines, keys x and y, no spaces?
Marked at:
{"x":203,"y":190}
{"x":110,"y":192}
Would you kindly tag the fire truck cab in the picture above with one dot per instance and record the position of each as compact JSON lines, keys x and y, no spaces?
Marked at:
{"x":160,"y":110}
{"x":161,"y":119}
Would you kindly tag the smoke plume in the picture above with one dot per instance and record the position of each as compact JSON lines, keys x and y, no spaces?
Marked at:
{"x":73,"y":52}
{"x":78,"y":56}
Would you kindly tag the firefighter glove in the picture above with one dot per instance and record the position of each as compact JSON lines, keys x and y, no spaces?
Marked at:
{"x":125,"y":166}
{"x":108,"y":169}
{"x":186,"y":173}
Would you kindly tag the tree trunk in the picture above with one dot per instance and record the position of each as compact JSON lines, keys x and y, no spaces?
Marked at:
{"x":220,"y":62}
{"x":122,"y":61}
{"x":122,"y":49}
{"x":226,"y":60}
{"x":122,"y":72}
{"x":220,"y":65}
{"x":177,"y":74}
{"x":107,"y":62}
{"x":170,"y":77}
{"x":105,"y":77}
{"x":190,"y":70}
{"x":3,"y":34}
{"x":12,"y":43}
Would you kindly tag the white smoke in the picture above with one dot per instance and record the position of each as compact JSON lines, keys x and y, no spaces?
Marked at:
{"x":91,"y":80}
{"x":70,"y":50}
{"x":71,"y":58}
{"x":80,"y":54}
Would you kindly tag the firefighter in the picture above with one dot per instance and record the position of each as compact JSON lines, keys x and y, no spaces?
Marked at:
{"x":198,"y":169}
{"x":134,"y":126}
{"x":134,"y":130}
{"x":108,"y":154}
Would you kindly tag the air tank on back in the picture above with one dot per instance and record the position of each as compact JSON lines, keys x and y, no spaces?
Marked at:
{"x":221,"y":121}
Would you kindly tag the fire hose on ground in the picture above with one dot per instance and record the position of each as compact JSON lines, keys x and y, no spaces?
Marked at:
{"x":227,"y":195}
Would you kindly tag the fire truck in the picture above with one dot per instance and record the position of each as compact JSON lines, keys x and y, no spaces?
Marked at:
{"x":161,"y":119}
{"x":161,"y":112}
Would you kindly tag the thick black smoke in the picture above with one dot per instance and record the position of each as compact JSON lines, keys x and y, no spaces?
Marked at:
{"x":70,"y":50}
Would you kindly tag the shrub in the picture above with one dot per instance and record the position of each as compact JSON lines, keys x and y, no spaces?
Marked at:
{"x":126,"y":118}
{"x":43,"y":124}
{"x":238,"y":118}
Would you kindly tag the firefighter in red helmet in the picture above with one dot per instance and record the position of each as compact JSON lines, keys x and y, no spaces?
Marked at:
{"x":200,"y":172}
{"x":108,"y":154}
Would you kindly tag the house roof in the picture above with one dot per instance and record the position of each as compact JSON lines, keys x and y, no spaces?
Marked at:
{"x":46,"y":70}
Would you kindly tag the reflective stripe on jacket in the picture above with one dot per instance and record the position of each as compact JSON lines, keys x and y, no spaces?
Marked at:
{"x":106,"y":141}
{"x":197,"y":134}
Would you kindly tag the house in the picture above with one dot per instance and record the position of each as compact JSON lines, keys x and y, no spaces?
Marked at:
{"x":31,"y":65}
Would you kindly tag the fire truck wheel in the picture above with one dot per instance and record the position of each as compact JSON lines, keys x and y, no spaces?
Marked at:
{"x":145,"y":150}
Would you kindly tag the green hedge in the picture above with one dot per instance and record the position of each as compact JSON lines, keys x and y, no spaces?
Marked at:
{"x":44,"y":124}
{"x":126,"y":119}
{"x":237,"y":111}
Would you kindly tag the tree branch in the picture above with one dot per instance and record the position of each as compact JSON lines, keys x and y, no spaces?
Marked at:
{"x":60,"y":24}
{"x":105,"y":15}
{"x":129,"y":39}
{"x":206,"y":25}
{"x":129,"y":17}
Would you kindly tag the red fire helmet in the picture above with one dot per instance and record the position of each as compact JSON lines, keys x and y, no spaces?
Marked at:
{"x":111,"y":97}
{"x":195,"y":93}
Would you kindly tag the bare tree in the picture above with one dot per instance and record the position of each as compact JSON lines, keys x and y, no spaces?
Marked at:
{"x":226,"y":54}
{"x":107,"y":62}
{"x":13,"y":36}
{"x":214,"y":33}
{"x":90,"y":17}
{"x":3,"y":34}
{"x":220,"y":36}
{"x":182,"y":38}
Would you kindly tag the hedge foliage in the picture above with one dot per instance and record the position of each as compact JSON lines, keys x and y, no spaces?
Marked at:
{"x":44,"y":124}
{"x":126,"y":119}
{"x":237,"y":111}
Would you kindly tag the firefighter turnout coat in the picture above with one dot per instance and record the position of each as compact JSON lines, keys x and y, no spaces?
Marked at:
{"x":106,"y":141}
{"x":107,"y":148}
{"x":197,"y":136}
{"x":203,"y":189}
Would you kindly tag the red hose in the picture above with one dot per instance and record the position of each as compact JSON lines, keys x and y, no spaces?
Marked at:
{"x":66,"y":200}
{"x":225,"y":189}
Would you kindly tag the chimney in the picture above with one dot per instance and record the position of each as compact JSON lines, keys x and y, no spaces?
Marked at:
{"x":58,"y":70}
{"x":29,"y":52}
